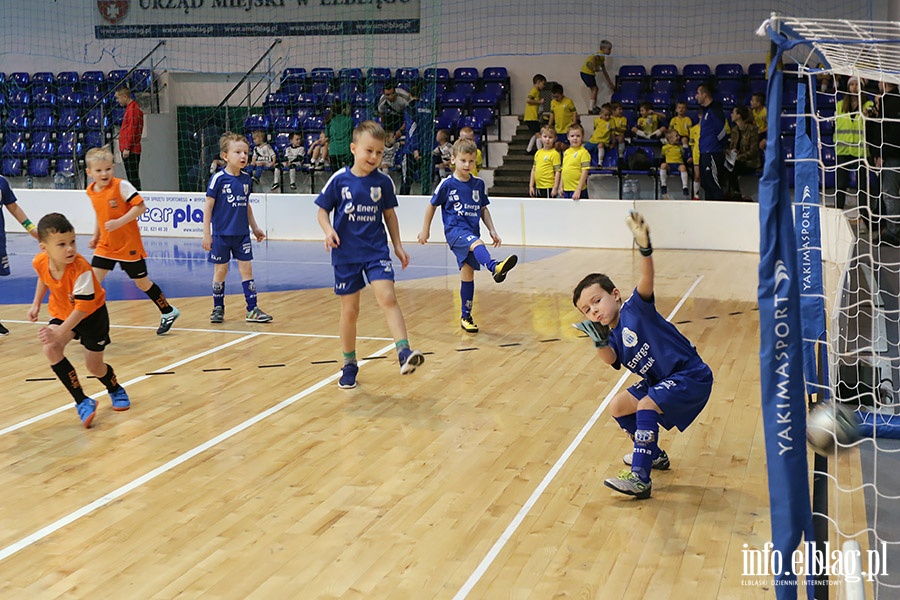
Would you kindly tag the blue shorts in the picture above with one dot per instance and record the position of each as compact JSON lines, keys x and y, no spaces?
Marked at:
{"x":4,"y":259}
{"x":562,"y":138}
{"x":589,"y":80}
{"x":226,"y":246}
{"x":681,"y":396}
{"x":460,"y":242}
{"x":571,"y":194}
{"x":348,"y":278}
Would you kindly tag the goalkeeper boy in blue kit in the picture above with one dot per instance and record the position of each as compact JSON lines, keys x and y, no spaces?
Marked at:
{"x":675,"y":384}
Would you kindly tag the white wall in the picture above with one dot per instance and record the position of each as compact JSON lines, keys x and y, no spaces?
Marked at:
{"x":724,"y":226}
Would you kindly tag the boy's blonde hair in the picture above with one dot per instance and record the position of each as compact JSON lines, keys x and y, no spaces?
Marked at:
{"x":467,"y":130}
{"x":227,"y":138}
{"x":549,"y":130}
{"x":373,"y":128}
{"x":95,"y":155}
{"x":462,"y":146}
{"x":575,"y":126}
{"x":605,"y":45}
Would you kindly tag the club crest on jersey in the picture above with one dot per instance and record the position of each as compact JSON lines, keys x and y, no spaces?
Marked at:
{"x":475,"y":195}
{"x":375,"y":193}
{"x":113,"y":11}
{"x":113,"y":203}
{"x":629,"y":338}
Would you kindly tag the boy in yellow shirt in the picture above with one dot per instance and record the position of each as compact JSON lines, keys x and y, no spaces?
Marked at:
{"x":575,"y":165}
{"x":673,"y":158}
{"x":593,"y":64}
{"x":602,"y":135}
{"x":562,"y":114}
{"x":760,"y":117}
{"x":649,"y":124}
{"x":682,"y":123}
{"x":694,"y":138}
{"x":533,"y":105}
{"x":618,"y":125}
{"x":545,"y":173}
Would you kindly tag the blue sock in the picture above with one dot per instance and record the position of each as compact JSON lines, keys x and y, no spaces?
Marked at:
{"x":250,"y":293}
{"x":645,"y":443}
{"x":218,"y":293}
{"x":484,"y":257}
{"x":466,"y":294}
{"x":628,"y":423}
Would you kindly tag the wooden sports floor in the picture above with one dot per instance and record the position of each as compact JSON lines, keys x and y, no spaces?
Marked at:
{"x":242,"y":471}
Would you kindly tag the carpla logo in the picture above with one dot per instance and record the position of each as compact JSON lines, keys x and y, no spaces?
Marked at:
{"x":176,"y":216}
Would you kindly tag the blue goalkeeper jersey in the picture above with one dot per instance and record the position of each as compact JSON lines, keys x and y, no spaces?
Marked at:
{"x":647,"y":344}
{"x":231,"y":194}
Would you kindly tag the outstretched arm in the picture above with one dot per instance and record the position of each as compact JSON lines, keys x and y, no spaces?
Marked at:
{"x":641,"y":232}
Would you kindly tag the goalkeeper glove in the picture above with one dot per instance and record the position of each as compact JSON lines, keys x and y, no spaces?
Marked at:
{"x":640,"y":231}
{"x":598,"y":332}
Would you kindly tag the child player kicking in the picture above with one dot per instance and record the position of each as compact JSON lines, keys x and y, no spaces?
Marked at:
{"x":676,"y":382}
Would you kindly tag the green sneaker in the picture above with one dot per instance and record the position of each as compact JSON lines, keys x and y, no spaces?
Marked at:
{"x":630,"y":484}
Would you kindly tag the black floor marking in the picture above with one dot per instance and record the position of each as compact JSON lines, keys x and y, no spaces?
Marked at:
{"x":510,"y":344}
{"x":270,"y":366}
{"x":216,"y":370}
{"x":465,"y":349}
{"x":737,"y":312}
{"x":427,"y":353}
{"x":682,"y":322}
{"x":322,"y":362}
{"x":41,"y":379}
{"x":373,"y":358}
{"x":161,"y":373}
{"x":709,"y":318}
{"x":549,"y":340}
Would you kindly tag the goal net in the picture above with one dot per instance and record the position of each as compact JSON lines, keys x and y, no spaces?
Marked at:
{"x":828,"y":292}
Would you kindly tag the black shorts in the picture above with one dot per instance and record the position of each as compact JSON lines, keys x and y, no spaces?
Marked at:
{"x":93,"y":331}
{"x":542,"y":192}
{"x":135,"y":269}
{"x":533,"y":126}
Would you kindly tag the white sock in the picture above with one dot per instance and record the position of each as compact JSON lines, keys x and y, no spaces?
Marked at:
{"x":663,"y":177}
{"x":531,"y":144}
{"x":621,"y":149}
{"x":293,"y":176}
{"x":684,"y":180}
{"x":277,"y":177}
{"x":601,"y":152}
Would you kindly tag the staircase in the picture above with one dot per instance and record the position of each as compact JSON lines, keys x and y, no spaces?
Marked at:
{"x":511,"y":179}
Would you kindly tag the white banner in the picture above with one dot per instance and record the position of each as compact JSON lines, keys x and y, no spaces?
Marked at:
{"x":262,"y":18}
{"x":179,"y":214}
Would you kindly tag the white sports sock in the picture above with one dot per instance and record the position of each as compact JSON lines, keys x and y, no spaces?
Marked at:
{"x":684,"y":179}
{"x":663,"y":177}
{"x":531,"y":144}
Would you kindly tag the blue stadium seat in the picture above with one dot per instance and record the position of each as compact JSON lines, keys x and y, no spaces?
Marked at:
{"x":475,"y":123}
{"x":65,"y":165}
{"x":632,"y":73}
{"x":407,"y":75}
{"x":347,"y":90}
{"x":728,"y":99}
{"x":447,"y":118}
{"x":68,"y":120}
{"x":18,"y":98}
{"x":96,"y":119}
{"x":69,"y":137}
{"x":498,"y":74}
{"x":39,"y":167}
{"x":320,"y":87}
{"x":433,"y":94}
{"x":38,"y":137}
{"x":286,"y":124}
{"x":117,"y":115}
{"x":94,"y":139}
{"x":454,"y":99}
{"x":690,"y":87}
{"x":359,"y":100}
{"x":44,"y":100}
{"x":327,"y":101}
{"x":756,"y":71}
{"x":436,"y":74}
{"x":495,"y":88}
{"x":359,"y":115}
{"x":322,"y":75}
{"x":44,"y":120}
{"x":350,"y":74}
{"x":69,"y":150}
{"x":485,"y":99}
{"x":43,"y":78}
{"x":14,"y":148}
{"x":306,"y":101}
{"x":758,"y":86}
{"x":729,"y":71}
{"x":19,"y":80}
{"x":464,"y":88}
{"x":116,"y":78}
{"x":276,"y":104}
{"x":663,"y":73}
{"x":94,"y":77}
{"x":630,"y":151}
{"x":378,"y":74}
{"x":141,"y":81}
{"x":256,"y":122}
{"x":629,"y":102}
{"x":281,"y":141}
{"x":663,"y":86}
{"x":485,"y":114}
{"x":696,"y":72}
{"x":661,"y":101}
{"x":293,"y":74}
{"x":465,"y":74}
{"x":314,"y":123}
{"x":11,"y":167}
{"x":17,"y":121}
{"x":630,"y":87}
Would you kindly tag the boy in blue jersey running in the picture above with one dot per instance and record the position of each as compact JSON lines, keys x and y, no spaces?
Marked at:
{"x":227,"y":217}
{"x":463,"y":200}
{"x":676,"y":382}
{"x":363,"y":201}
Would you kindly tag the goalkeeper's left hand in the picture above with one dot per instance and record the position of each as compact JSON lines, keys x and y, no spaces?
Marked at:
{"x":641,"y":232}
{"x":598,"y":332}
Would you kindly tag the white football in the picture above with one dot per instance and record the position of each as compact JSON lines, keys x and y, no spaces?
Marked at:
{"x":830,"y":426}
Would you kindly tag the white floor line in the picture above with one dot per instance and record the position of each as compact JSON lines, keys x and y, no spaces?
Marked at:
{"x":69,"y":406}
{"x":507,"y":534}
{"x":234,"y":331}
{"x":178,"y":460}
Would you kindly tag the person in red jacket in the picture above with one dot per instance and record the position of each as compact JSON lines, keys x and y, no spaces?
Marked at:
{"x":130,"y":136}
